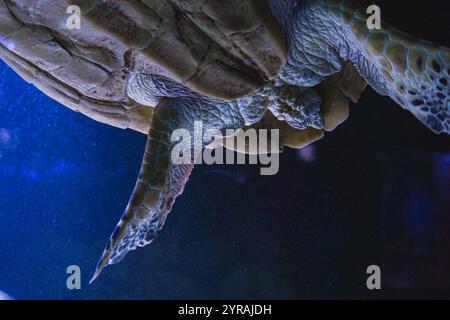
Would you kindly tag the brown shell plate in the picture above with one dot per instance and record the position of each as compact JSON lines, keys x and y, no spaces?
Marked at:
{"x":223,"y":49}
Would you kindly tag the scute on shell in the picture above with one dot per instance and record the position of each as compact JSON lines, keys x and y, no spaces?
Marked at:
{"x":213,"y":47}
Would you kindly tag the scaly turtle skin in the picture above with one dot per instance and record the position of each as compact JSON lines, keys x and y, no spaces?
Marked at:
{"x":158,"y":65}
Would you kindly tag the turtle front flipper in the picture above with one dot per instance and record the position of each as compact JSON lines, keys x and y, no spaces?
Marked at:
{"x":176,"y":138}
{"x":160,"y":182}
{"x":414,"y":73}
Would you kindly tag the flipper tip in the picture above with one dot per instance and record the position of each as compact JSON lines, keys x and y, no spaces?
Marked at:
{"x":101,"y":265}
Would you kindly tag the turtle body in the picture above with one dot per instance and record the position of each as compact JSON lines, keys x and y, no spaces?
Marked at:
{"x":155,"y":66}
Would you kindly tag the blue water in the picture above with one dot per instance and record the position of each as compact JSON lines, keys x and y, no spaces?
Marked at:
{"x":56,"y":170}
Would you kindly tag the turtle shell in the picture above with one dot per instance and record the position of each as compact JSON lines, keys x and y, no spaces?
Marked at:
{"x":222,"y":49}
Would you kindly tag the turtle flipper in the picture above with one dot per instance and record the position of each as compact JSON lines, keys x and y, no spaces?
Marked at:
{"x":414,"y":73}
{"x":417,"y":75}
{"x":167,"y":165}
{"x":159,"y":183}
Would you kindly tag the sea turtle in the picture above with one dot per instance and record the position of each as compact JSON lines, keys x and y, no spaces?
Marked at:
{"x":158,"y":65}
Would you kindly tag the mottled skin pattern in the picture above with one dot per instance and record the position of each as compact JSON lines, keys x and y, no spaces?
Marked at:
{"x":412,"y":72}
{"x":321,"y":36}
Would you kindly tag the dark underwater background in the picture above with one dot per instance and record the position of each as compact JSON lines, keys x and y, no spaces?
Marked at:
{"x":375,"y":191}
